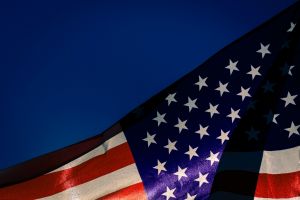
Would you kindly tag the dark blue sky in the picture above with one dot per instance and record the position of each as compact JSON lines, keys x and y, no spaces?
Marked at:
{"x":70,"y":70}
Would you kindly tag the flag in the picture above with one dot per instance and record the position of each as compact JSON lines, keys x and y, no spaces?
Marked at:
{"x":227,"y":130}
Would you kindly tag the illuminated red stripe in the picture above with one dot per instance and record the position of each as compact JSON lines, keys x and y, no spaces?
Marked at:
{"x":278,"y":185}
{"x":55,"y":182}
{"x":48,"y":162}
{"x":132,"y":192}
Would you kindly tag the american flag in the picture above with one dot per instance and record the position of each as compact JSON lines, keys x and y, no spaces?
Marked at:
{"x":227,"y":130}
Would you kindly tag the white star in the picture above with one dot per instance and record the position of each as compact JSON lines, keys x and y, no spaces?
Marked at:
{"x":189,"y":197}
{"x":212,"y":110}
{"x":244,"y":93}
{"x":252,"y":134}
{"x":289,"y":99}
{"x":180,"y":173}
{"x":223,"y":136}
{"x":192,"y":152}
{"x":234,"y":114}
{"x":171,"y":98}
{"x":160,"y":167}
{"x":213,"y":158}
{"x":293,"y":129}
{"x":160,"y":118}
{"x":222,"y":88}
{"x":181,"y":125}
{"x":202,"y":131}
{"x":274,"y":118}
{"x":202,"y":179}
{"x":191,"y":104}
{"x":202,"y":82}
{"x":171,"y":146}
{"x":254,"y":72}
{"x":169,"y":193}
{"x":263,"y":50}
{"x":150,"y":139}
{"x":232,"y":66}
{"x":290,"y":70}
{"x":293,"y":25}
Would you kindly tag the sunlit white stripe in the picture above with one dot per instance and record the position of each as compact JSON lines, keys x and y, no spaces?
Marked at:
{"x":281,"y":161}
{"x":101,"y":186}
{"x":109,"y":144}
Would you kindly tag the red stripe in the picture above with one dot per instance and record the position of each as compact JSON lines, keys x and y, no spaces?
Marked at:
{"x":278,"y":185}
{"x":46,"y":163}
{"x":132,"y":192}
{"x":55,"y":182}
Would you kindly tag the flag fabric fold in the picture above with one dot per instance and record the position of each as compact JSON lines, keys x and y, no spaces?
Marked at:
{"x":227,"y":130}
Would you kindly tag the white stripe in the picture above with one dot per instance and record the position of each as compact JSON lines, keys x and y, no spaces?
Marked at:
{"x":101,"y":186}
{"x":107,"y":145}
{"x":282,"y":161}
{"x":245,"y":161}
{"x":292,"y":198}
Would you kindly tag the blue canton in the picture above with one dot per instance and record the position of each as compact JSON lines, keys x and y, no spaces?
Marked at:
{"x":179,"y":136}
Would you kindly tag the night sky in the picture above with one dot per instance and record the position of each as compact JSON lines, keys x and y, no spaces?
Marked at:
{"x":71,"y":70}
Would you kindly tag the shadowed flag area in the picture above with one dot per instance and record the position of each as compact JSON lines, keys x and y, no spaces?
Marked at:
{"x":227,"y":130}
